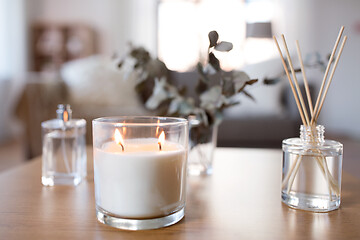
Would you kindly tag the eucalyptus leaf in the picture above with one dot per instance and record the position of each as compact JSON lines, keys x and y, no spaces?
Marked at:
{"x":224,"y":46}
{"x":155,"y":68}
{"x":214,"y":62}
{"x":228,"y":87}
{"x":213,"y":38}
{"x":200,"y":70}
{"x":159,"y":94}
{"x":271,"y":81}
{"x":140,"y":54}
{"x":240,"y":76}
{"x":127,"y":67}
{"x":142,"y":76}
{"x":209,"y":70}
{"x":174,"y":106}
{"x":230,"y":104}
{"x":186,"y":107}
{"x":210,"y":99}
{"x":251,"y":82}
{"x":240,"y":89}
{"x":241,"y":83}
{"x":172,"y":91}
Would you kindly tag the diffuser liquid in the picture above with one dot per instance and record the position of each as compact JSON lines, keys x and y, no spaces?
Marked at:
{"x":316,"y":185}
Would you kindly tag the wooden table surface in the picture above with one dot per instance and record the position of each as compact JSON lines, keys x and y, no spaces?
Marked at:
{"x":241,"y":200}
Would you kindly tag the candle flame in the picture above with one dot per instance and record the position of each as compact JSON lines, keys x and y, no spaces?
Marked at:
{"x":65,"y":116}
{"x":161,"y":140}
{"x":118,"y":138}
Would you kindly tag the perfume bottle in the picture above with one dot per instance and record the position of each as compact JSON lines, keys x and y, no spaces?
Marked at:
{"x":64,"y":149}
{"x":312,"y":167}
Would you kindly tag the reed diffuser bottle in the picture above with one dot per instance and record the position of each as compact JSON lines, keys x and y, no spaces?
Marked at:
{"x":312,"y":166}
{"x":312,"y":169}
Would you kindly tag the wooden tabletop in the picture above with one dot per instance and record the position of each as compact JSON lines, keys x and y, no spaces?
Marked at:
{"x":241,"y":200}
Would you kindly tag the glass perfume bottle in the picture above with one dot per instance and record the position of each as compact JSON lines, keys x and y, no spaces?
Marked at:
{"x":312,"y":166}
{"x":64,"y":149}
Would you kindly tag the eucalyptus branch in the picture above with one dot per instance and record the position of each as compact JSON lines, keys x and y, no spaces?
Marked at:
{"x":215,"y":87}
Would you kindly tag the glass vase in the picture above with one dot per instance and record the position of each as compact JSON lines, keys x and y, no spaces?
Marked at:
{"x":312,"y":167}
{"x":202,"y":143}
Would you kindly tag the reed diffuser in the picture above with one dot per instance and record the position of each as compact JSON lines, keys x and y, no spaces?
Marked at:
{"x":312,"y":166}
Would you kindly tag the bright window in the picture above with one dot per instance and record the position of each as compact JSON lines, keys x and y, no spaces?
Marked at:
{"x":184,"y":26}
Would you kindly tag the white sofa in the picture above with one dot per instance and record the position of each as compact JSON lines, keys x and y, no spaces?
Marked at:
{"x":95,"y":88}
{"x":9,"y":127}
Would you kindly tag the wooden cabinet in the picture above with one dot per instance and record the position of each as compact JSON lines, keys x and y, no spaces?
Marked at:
{"x":54,"y":44}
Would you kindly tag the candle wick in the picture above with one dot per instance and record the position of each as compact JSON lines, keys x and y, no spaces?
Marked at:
{"x":159,"y":145}
{"x":122,"y":147}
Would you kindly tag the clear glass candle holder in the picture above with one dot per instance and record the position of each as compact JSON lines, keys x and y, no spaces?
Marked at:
{"x":312,"y":168}
{"x":140,"y":171}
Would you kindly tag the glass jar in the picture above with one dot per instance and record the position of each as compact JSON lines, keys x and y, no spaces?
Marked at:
{"x":311,"y":175}
{"x":140,"y":171}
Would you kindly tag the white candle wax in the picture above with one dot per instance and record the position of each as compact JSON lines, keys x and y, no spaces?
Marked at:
{"x":141,"y":182}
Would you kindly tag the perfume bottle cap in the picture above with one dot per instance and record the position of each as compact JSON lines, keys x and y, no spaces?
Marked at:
{"x":64,"y":112}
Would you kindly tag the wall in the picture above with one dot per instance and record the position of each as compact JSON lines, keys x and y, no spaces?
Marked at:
{"x":13,"y":62}
{"x":117,"y":22}
{"x":316,"y":25}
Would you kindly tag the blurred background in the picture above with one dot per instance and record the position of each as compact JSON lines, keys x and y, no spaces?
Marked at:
{"x":55,"y":51}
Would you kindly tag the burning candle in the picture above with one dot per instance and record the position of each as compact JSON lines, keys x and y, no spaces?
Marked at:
{"x":140,"y":178}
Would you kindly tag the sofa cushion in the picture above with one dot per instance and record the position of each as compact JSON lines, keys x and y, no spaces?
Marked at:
{"x":96,"y":82}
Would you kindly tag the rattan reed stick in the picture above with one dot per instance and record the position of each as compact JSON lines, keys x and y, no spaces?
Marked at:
{"x":330,"y":78}
{"x":306,"y":84}
{"x":290,"y":81}
{"x":326,"y":72}
{"x":296,"y":81}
